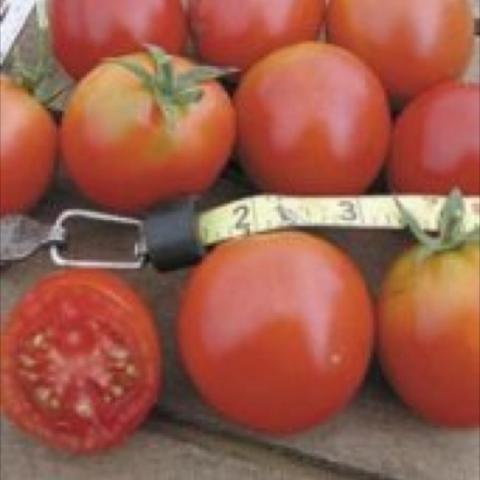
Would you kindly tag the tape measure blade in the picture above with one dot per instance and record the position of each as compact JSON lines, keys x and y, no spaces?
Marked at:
{"x":265,"y":213}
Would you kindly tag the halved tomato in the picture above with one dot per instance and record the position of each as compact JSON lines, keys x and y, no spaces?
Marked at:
{"x":80,"y":362}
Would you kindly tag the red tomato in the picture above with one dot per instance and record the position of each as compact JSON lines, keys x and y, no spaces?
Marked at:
{"x":429,"y":334}
{"x":238,"y":34}
{"x":276,"y":331}
{"x":436,"y":144}
{"x":122,"y":153}
{"x":87,"y":31}
{"x":411,"y":44}
{"x":80,"y":362}
{"x":28,"y":143}
{"x":312,"y":120}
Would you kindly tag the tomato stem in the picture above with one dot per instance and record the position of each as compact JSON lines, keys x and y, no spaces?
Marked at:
{"x":173,"y":93}
{"x":452,"y":233}
{"x":36,"y":79}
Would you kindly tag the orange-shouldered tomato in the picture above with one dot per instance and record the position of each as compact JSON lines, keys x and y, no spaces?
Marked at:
{"x":429,"y":334}
{"x":121,"y":150}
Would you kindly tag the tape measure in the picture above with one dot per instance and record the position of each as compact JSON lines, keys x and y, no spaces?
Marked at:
{"x":177,"y":235}
{"x":14,"y":16}
{"x":265,"y":213}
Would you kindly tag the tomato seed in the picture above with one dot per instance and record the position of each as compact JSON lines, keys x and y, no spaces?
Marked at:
{"x":54,"y":403}
{"x":118,"y":353}
{"x":84,"y":408}
{"x":30,"y":376}
{"x":26,"y":361}
{"x":131,"y":370}
{"x":117,"y":391}
{"x":42,"y":394}
{"x":39,"y":340}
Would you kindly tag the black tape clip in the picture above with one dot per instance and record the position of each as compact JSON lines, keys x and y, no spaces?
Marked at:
{"x":171,"y":235}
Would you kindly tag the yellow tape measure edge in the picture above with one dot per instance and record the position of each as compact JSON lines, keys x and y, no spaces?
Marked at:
{"x":264,"y":213}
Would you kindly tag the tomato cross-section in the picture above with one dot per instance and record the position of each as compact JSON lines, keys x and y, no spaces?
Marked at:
{"x":80,"y":362}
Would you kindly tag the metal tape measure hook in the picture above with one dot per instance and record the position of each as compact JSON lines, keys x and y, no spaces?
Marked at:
{"x":139,"y":253}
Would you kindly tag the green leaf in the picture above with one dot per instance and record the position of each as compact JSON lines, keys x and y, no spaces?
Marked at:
{"x":451,"y":217}
{"x":168,"y":110}
{"x":451,"y":226}
{"x":412,"y":224}
{"x":138,"y":70}
{"x":158,"y":54}
{"x":186,"y":97}
{"x":163,"y":68}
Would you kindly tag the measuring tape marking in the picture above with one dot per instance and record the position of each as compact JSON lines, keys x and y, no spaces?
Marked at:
{"x":263,"y":213}
{"x":17,"y":13}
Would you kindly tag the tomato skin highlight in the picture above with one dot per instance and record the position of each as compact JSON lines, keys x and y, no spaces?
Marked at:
{"x":312,"y":120}
{"x":81,"y":366}
{"x":28,"y":146}
{"x":276,"y":331}
{"x":120,"y":152}
{"x":411,"y":44}
{"x":436,"y":142}
{"x":238,"y":34}
{"x":429,"y":335}
{"x":87,"y":31}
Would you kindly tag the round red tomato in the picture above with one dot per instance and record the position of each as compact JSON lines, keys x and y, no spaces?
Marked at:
{"x":276,"y":331}
{"x":429,"y":334}
{"x":411,"y":44}
{"x":125,"y":152}
{"x":87,"y":31}
{"x":28,"y":143}
{"x":80,"y":362}
{"x":312,"y":120}
{"x":436,"y":143}
{"x":238,"y":34}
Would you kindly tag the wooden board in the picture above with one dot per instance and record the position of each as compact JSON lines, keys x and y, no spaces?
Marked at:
{"x":375,"y":438}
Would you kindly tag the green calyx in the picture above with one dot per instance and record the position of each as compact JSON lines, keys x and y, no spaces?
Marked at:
{"x":173,"y":92}
{"x":451,"y":226}
{"x":37,"y":79}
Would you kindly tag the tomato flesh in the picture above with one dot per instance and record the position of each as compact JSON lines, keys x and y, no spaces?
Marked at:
{"x":75,"y":372}
{"x":436,"y":142}
{"x":276,"y":331}
{"x":429,"y":335}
